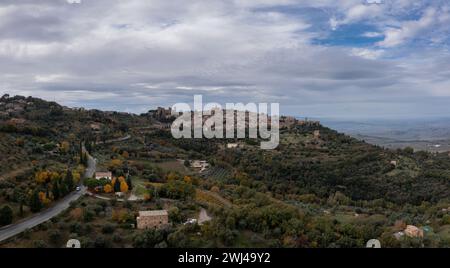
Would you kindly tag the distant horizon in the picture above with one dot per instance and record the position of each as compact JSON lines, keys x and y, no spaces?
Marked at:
{"x":353,"y":119}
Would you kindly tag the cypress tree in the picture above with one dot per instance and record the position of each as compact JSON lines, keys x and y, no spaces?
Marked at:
{"x":117,"y":186}
{"x":6,"y":216}
{"x":55,"y":191}
{"x":21,"y":207}
{"x":81,"y":153}
{"x":130,"y":185}
{"x":35,"y":202}
{"x":68,"y":180}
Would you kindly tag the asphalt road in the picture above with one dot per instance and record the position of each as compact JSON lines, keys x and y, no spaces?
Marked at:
{"x":41,"y":217}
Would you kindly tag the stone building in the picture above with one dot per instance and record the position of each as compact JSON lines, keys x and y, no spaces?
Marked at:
{"x":413,"y":231}
{"x":103,"y":175}
{"x":152,"y":219}
{"x":316,"y":134}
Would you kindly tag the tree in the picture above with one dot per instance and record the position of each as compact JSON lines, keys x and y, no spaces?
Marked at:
{"x":91,"y":183}
{"x":54,"y":236}
{"x":126,"y":169}
{"x":123,"y":187}
{"x":43,"y":177}
{"x":35,"y":202}
{"x":108,"y":188}
{"x":187,"y":179}
{"x":85,"y":160}
{"x":148,"y":239}
{"x":215,"y":189}
{"x":172,"y":176}
{"x":178,"y":190}
{"x":55,"y":190}
{"x":115,"y":164}
{"x":65,"y":147}
{"x":129,"y":183}
{"x":68,"y":180}
{"x":81,"y":152}
{"x":21,"y":207}
{"x":44,"y":199}
{"x":89,"y":146}
{"x":6,"y":216}
{"x":117,"y":186}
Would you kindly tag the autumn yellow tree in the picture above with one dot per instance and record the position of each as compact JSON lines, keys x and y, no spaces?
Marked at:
{"x":172,"y":176}
{"x":65,"y":147}
{"x":119,"y":215}
{"x":42,"y":177}
{"x":215,"y":189}
{"x":44,"y":200}
{"x":123,"y":187}
{"x":108,"y":188}
{"x":147,"y":197}
{"x":115,"y":164}
{"x":187,"y":179}
{"x":76,"y":177}
{"x":54,"y":176}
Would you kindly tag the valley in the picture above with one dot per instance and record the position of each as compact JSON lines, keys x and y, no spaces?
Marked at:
{"x":318,"y":188}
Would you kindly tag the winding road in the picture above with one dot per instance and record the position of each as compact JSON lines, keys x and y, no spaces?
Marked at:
{"x":127,"y":137}
{"x":39,"y":218}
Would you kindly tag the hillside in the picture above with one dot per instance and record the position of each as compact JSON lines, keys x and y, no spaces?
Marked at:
{"x":319,"y":188}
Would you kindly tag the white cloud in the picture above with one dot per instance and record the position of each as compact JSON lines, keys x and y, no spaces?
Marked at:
{"x":408,"y":29}
{"x":356,"y":13}
{"x":371,"y":54}
{"x":49,"y":78}
{"x":372,"y":34}
{"x":136,"y":54}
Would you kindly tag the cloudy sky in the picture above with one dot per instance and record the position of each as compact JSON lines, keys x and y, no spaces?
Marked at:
{"x":322,"y":58}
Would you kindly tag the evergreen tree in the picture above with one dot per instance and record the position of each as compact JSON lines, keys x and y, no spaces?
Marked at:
{"x":63,"y":190}
{"x":117,"y":186}
{"x":56,"y":191}
{"x":81,"y":151}
{"x":130,"y":185}
{"x":85,"y":160}
{"x":68,"y":180}
{"x":126,"y":170}
{"x":35,"y":202}
{"x":89,"y":146}
{"x":21,"y":207}
{"x":6,"y":216}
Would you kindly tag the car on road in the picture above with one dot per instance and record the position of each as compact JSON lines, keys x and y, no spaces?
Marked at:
{"x":190,"y":221}
{"x":78,"y":188}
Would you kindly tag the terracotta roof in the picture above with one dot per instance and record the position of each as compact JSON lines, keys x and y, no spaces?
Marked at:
{"x":153,"y":213}
{"x":103,"y":174}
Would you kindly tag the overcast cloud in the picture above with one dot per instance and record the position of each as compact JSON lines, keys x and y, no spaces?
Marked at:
{"x":326,"y":58}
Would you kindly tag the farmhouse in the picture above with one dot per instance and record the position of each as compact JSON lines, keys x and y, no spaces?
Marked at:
{"x":200,"y":164}
{"x":103,"y":175}
{"x":152,"y":219}
{"x":316,"y":134}
{"x":413,"y":231}
{"x":95,"y":127}
{"x":232,"y":145}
